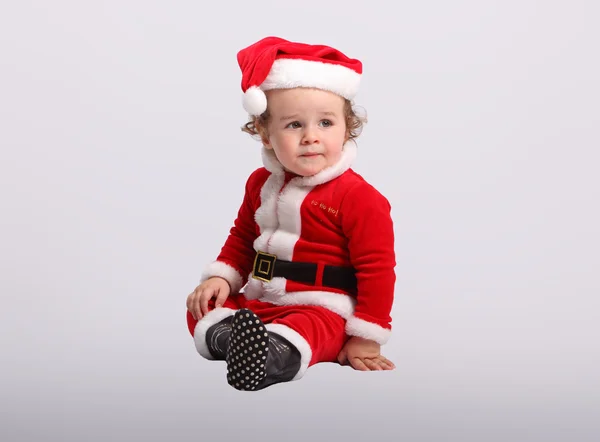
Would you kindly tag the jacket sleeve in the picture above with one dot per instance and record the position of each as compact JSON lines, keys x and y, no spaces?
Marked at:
{"x":368,"y":225}
{"x":236,"y":258}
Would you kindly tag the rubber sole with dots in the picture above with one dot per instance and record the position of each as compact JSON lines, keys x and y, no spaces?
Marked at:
{"x":247,"y":351}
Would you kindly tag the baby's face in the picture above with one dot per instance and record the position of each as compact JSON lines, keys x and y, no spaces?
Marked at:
{"x":307,"y":129}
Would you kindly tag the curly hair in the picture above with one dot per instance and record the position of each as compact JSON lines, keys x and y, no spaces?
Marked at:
{"x":354,"y":122}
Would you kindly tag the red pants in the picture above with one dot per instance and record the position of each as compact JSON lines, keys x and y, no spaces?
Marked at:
{"x":319,"y":334}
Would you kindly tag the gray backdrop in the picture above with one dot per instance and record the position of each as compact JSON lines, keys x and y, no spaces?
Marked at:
{"x":122,"y":167}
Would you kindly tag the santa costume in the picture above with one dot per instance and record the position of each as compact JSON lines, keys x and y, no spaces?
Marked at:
{"x":310,"y":260}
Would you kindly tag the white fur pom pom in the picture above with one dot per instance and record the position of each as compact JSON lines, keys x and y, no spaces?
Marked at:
{"x":255,"y":101}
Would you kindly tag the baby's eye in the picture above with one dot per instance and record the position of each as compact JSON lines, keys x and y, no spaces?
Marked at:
{"x":294,"y":125}
{"x":326,"y":123}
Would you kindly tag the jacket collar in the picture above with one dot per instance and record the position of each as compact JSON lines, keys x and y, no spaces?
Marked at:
{"x":346,"y":160}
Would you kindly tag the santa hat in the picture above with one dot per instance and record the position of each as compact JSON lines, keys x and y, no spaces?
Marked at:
{"x":275,"y":63}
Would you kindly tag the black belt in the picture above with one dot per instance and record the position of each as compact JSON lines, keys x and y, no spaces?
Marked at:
{"x":267,"y":267}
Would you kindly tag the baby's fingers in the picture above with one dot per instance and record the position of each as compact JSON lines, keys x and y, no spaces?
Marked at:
{"x":358,"y":364}
{"x":207,"y":294}
{"x":385,"y":363}
{"x":221,"y":297}
{"x":372,"y":365}
{"x":196,"y":312}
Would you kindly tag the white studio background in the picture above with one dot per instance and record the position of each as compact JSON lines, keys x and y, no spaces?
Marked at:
{"x":122,"y":167}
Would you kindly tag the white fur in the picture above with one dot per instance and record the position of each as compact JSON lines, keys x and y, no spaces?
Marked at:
{"x":349,"y":153}
{"x":297,"y":341}
{"x":271,"y":162}
{"x":202,"y":326}
{"x":254,"y":288}
{"x":284,"y":239}
{"x":274,"y":289}
{"x":290,"y":73}
{"x":368,"y":330}
{"x":226,"y":272}
{"x":342,"y":305}
{"x":254,"y":101}
{"x":266,"y":214}
{"x":266,"y":219}
{"x":345,"y":162}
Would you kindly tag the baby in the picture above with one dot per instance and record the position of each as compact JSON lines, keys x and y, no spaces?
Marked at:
{"x":306,"y":274}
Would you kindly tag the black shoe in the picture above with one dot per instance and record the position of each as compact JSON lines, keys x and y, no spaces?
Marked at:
{"x":257,"y":358}
{"x":217,"y":338}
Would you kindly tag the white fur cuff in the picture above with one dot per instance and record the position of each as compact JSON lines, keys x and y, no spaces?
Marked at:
{"x":368,"y":330}
{"x":210,"y":319}
{"x":226,"y":272}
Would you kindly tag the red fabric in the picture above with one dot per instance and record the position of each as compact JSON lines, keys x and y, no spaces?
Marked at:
{"x":368,"y":225}
{"x":345,"y":222}
{"x":238,"y":250}
{"x":256,"y":60}
{"x":322,"y":329}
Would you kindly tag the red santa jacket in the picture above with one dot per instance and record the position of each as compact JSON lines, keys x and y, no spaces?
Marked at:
{"x":332,"y":218}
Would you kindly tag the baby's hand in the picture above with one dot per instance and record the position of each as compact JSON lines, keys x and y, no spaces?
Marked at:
{"x":197,"y":301}
{"x":364,"y":354}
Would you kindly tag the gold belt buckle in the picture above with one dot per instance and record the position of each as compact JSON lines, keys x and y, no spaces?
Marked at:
{"x":264,"y":264}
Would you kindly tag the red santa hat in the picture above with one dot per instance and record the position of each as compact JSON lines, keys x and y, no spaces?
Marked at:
{"x":275,"y":63}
